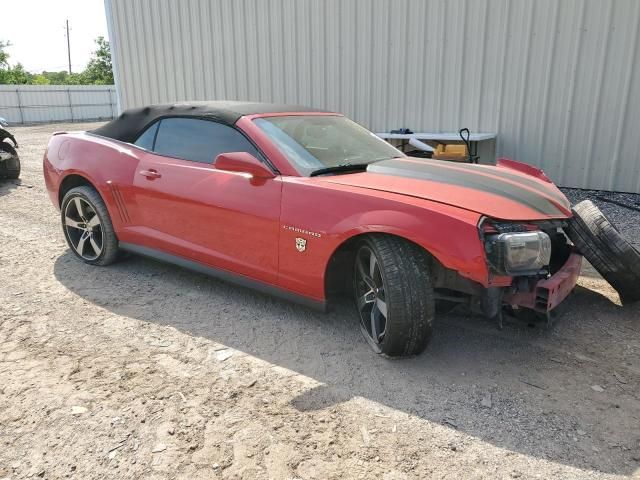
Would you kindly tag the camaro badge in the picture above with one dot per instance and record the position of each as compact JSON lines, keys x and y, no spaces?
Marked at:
{"x":301,"y":244}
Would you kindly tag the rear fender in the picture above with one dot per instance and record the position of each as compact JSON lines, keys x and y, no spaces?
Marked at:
{"x":103,"y":163}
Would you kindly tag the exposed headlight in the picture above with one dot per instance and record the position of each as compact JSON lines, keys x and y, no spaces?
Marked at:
{"x":518,"y":253}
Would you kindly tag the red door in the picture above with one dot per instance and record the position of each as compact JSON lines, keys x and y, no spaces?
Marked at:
{"x":223,"y":219}
{"x":212,"y":216}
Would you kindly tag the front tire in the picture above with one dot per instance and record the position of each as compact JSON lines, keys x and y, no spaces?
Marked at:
{"x":393,"y":295}
{"x":615,"y":258}
{"x":87,"y":226}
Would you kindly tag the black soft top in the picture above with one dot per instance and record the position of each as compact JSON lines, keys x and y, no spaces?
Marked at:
{"x":131,"y":123}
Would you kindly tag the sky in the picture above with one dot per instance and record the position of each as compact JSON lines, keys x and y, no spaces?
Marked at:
{"x":36,"y":29}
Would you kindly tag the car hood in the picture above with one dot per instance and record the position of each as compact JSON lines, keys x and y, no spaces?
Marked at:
{"x":495,"y":191}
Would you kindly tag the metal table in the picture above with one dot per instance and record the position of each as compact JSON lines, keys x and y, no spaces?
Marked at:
{"x":417,"y":139}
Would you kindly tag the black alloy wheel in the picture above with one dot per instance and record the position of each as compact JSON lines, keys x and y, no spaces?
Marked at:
{"x":393,"y":294}
{"x":87,"y":226}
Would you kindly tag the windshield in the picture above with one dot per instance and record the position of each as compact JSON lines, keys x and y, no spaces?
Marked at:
{"x":316,"y":142}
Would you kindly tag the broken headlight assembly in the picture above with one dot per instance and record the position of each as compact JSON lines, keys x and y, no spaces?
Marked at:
{"x":518,"y":253}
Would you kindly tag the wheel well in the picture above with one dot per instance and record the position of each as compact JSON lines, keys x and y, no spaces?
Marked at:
{"x":69,"y":182}
{"x":339,"y":272}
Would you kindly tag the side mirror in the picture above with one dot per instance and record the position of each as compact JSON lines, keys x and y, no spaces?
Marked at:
{"x":243,"y":162}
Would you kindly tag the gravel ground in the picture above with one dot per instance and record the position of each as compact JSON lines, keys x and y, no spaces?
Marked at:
{"x":145,"y":370}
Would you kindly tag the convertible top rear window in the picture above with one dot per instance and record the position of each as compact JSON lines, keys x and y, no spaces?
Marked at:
{"x":147,"y":139}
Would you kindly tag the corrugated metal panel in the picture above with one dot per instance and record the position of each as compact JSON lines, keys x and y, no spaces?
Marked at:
{"x":51,"y":103}
{"x":558,"y":80}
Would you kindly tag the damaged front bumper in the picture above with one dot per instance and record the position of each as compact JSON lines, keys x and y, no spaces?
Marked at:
{"x":545,"y":295}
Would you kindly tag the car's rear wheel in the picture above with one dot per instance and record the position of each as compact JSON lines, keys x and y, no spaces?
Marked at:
{"x":393,"y":295}
{"x":87,"y":226}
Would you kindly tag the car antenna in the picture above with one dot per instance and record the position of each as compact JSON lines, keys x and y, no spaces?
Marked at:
{"x":472,"y":156}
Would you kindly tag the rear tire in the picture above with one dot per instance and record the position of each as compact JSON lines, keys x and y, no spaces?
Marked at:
{"x":87,"y":226}
{"x":9,"y":168}
{"x":606,"y":249}
{"x":393,"y":295}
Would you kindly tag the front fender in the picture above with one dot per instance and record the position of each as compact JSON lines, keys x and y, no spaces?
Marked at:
{"x":451,"y":238}
{"x":325,"y":218}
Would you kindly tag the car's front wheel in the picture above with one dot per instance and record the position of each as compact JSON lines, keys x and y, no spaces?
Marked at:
{"x":393,"y":295}
{"x":87,"y":226}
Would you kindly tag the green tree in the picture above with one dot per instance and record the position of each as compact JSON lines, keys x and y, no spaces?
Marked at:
{"x":4,"y":56}
{"x":40,"y":79}
{"x":9,"y":74}
{"x":17,"y":75}
{"x":99,"y":70}
{"x":56,"y":78}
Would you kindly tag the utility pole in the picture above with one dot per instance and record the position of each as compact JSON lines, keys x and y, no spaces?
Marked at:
{"x":68,"y":47}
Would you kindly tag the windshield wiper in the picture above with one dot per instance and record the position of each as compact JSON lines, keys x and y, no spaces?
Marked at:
{"x":345,"y":167}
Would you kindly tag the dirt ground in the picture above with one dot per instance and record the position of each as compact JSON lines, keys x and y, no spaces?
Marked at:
{"x":145,"y":370}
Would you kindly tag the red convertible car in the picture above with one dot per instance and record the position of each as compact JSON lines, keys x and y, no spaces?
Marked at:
{"x":307,"y":204}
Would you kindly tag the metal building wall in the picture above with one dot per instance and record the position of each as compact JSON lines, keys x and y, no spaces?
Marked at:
{"x":558,"y":80}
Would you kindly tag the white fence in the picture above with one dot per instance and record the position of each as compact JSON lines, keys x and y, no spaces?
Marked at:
{"x":57,"y":103}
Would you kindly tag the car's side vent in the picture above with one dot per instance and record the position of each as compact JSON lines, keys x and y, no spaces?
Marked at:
{"x":120,"y":204}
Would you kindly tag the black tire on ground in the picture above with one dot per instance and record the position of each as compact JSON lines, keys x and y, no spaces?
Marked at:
{"x":108,"y":244}
{"x":606,"y":249}
{"x":9,"y":168}
{"x":400,"y":271}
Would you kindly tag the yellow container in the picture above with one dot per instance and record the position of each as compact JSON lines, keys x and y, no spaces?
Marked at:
{"x":454,"y":152}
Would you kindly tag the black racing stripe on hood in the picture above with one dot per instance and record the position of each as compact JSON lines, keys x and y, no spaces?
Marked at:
{"x":427,"y":171}
{"x":503,"y":173}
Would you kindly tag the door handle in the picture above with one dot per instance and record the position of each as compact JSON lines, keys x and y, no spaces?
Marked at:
{"x":151,"y":174}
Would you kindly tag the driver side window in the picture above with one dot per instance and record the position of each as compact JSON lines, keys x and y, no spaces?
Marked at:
{"x":193,"y":139}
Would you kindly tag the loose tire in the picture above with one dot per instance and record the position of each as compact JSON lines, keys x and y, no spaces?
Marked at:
{"x":606,"y":249}
{"x":87,"y":226}
{"x":393,"y":295}
{"x":9,"y":168}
